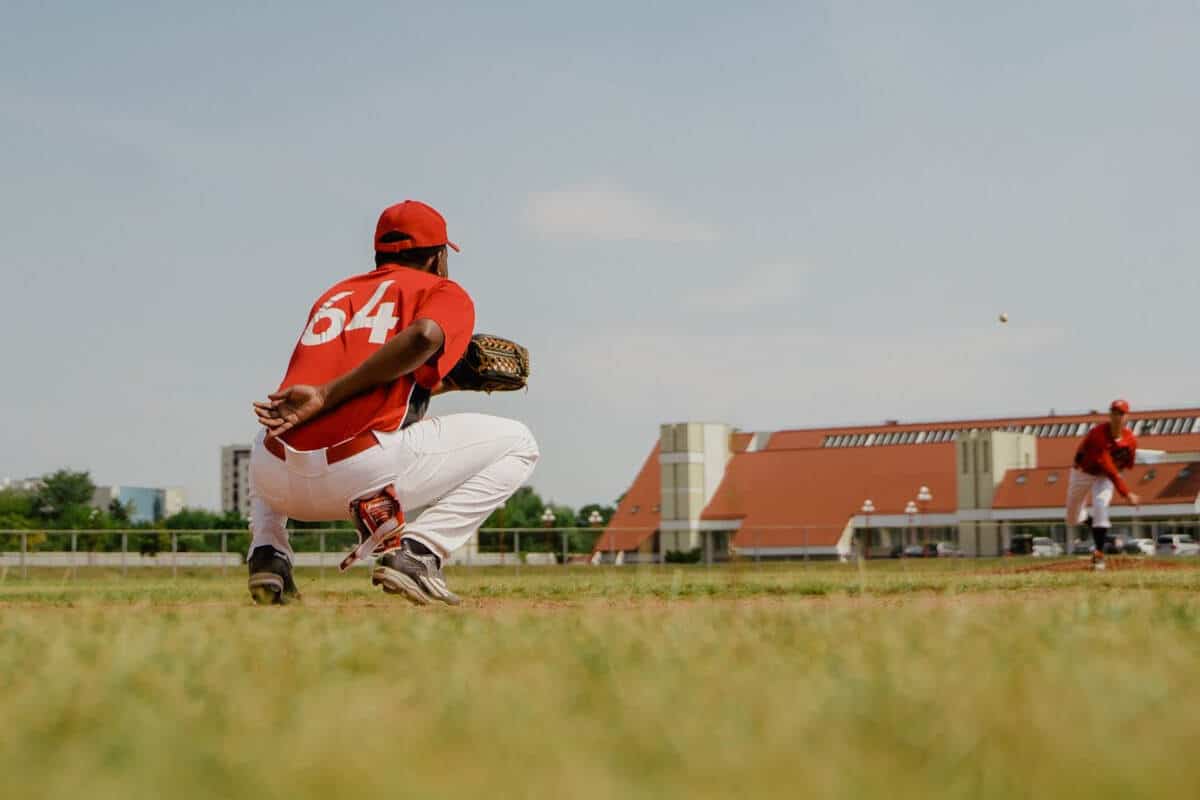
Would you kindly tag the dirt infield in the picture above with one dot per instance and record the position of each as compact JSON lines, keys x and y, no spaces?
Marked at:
{"x":1113,"y":563}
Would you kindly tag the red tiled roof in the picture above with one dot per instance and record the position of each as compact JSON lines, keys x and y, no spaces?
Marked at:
{"x":797,"y":492}
{"x":813,"y":437}
{"x":738,"y":442}
{"x":794,"y":497}
{"x":629,"y":528}
{"x":1158,"y":484}
{"x":1061,"y":452}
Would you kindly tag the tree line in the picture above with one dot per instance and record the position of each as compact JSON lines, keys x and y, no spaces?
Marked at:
{"x":63,"y":502}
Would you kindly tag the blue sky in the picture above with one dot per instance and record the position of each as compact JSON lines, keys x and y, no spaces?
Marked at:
{"x":773,"y":215}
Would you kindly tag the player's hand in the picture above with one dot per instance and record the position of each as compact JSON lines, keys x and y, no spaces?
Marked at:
{"x":1134,"y":500}
{"x":289,"y":407}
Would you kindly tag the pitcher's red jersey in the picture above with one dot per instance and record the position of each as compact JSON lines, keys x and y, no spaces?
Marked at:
{"x":349,"y":322}
{"x":1101,"y":454}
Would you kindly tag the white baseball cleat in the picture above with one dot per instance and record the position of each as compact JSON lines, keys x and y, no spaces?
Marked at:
{"x":416,"y":576}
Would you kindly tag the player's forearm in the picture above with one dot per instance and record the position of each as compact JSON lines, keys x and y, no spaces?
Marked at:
{"x":1109,"y":468}
{"x":1121,"y":487}
{"x":402,"y":354}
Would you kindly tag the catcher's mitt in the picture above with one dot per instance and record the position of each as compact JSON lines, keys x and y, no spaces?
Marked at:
{"x":491,"y":364}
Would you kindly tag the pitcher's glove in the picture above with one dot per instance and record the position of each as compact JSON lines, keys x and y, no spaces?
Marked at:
{"x":491,"y":364}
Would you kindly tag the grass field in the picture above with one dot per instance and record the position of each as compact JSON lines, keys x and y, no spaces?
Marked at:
{"x":900,"y":680}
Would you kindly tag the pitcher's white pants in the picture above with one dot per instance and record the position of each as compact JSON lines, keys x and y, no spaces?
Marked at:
{"x":1093,"y":490}
{"x":449,"y":474}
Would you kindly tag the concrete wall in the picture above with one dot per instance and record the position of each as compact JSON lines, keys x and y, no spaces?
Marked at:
{"x":692,"y":460}
{"x":980,"y":460}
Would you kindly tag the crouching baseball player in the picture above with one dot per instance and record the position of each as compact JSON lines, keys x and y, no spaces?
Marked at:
{"x":1107,"y":449}
{"x":344,"y":436}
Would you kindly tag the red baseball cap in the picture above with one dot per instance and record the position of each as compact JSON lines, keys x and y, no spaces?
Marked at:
{"x":416,"y":224}
{"x":1120,"y":405}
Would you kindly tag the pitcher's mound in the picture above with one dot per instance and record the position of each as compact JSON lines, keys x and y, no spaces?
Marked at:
{"x":1113,"y":563}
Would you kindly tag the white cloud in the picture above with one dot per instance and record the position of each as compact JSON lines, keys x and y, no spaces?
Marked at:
{"x":764,"y":286}
{"x":605,"y":212}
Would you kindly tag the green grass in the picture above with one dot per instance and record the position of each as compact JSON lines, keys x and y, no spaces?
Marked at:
{"x":909,"y":680}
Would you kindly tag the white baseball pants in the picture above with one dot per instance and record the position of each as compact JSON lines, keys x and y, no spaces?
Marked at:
{"x":449,"y":474}
{"x":1084,"y":490}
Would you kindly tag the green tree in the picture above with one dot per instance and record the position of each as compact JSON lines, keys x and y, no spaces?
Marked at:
{"x":63,"y":490}
{"x":200,"y":519}
{"x":585,"y":513}
{"x":16,"y":509}
{"x":119,"y":512}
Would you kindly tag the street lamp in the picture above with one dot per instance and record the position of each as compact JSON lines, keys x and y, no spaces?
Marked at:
{"x":924,"y":498}
{"x":594,"y":519}
{"x":547,"y":518}
{"x":868,"y":508}
{"x":910,"y":508}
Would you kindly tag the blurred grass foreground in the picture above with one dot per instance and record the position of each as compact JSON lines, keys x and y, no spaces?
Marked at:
{"x":899,"y":681}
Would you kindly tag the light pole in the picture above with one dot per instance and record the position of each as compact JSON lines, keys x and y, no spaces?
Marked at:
{"x":910,"y":508}
{"x":924,"y":498}
{"x":868,"y":508}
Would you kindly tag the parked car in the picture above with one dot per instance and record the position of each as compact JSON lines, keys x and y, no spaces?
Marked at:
{"x":1045,"y":547}
{"x":914,"y":551}
{"x":942,"y":550}
{"x":1176,"y":544}
{"x":1022,"y":545}
{"x":1082,"y":547}
{"x":1145,"y":547}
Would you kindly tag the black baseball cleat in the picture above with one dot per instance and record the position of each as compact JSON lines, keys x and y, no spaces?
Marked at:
{"x":271,"y":577}
{"x":414,"y":572}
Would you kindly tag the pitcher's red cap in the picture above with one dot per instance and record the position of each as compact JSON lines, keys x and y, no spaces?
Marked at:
{"x":412,"y":224}
{"x":1119,"y":405}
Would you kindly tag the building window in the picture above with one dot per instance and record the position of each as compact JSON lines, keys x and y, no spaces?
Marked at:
{"x":634,"y":510}
{"x":1052,"y":477}
{"x":1021,"y":479}
{"x":1149,"y":476}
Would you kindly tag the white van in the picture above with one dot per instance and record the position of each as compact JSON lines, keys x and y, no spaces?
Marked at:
{"x":1176,"y":544}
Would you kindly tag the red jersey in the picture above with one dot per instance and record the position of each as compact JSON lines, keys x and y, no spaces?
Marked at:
{"x":1100,"y":454}
{"x":349,"y":322}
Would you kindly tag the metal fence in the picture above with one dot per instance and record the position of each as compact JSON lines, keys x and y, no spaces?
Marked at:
{"x":320,"y":548}
{"x":323,"y":549}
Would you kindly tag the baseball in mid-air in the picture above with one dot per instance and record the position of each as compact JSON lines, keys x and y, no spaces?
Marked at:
{"x":1003,"y":317}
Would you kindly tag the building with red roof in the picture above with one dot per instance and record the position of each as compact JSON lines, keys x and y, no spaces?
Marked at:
{"x":803,"y":492}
